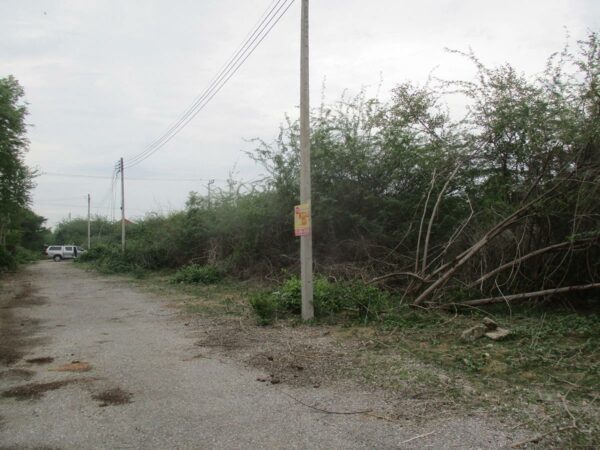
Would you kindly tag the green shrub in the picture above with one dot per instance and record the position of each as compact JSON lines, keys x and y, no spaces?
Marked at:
{"x":109,"y":259}
{"x":197,"y":274}
{"x":265,"y":307}
{"x":24,"y":256}
{"x":329,"y":298}
{"x":7,"y":260}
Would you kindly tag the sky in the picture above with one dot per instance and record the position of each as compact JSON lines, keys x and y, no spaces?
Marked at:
{"x":105,"y":78}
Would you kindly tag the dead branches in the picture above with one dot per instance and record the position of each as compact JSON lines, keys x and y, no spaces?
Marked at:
{"x":542,"y":293}
{"x":397,"y":275}
{"x":523,"y":258}
{"x":452,"y":267}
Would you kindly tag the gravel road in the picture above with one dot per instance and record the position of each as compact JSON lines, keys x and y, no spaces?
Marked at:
{"x":112,"y":367}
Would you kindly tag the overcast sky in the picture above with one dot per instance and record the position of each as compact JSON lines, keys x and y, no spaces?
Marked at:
{"x":103,"y":79}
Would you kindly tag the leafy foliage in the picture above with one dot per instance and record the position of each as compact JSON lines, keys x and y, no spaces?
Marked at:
{"x":19,"y":226}
{"x":354,"y":299}
{"x":421,"y":201}
{"x":198,"y":274}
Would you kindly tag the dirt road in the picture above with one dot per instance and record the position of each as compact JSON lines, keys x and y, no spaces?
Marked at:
{"x":89,"y":362}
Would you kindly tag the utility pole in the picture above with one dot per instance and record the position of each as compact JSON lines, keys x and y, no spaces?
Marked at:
{"x":306,"y":258}
{"x":121,"y":168}
{"x":89,"y":225}
{"x":210,"y":183}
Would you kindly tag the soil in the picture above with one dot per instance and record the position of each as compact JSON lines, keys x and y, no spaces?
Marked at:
{"x":304,"y":356}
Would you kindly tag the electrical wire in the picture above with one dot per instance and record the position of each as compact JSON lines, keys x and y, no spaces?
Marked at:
{"x":223,"y":68}
{"x":264,"y":27}
{"x":70,"y":175}
{"x":212,"y":84}
{"x":67,"y":175}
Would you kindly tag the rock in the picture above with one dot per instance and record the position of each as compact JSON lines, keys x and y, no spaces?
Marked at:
{"x":497,"y":334}
{"x":473,"y":333}
{"x":489,"y":324}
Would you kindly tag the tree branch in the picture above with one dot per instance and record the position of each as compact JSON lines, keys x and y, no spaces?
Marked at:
{"x":508,"y":298}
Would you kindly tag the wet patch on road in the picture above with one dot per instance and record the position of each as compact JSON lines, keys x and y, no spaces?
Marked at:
{"x":17,"y":374}
{"x":40,"y":360}
{"x":74,"y":366}
{"x":35,"y":391}
{"x":15,"y":333}
{"x":115,"y":396}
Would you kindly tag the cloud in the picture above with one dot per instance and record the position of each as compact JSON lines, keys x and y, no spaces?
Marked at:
{"x":105,"y":78}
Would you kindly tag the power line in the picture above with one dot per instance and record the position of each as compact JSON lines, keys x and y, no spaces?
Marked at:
{"x":179,"y":124}
{"x":101,"y":177}
{"x":265,"y":25}
{"x":70,"y":175}
{"x":84,"y":206}
{"x":225,"y":66}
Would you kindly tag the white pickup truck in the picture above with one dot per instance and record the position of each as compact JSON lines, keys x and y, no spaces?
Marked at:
{"x":59,"y":252}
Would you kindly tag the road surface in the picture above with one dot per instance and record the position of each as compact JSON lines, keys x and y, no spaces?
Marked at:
{"x":90,"y":362}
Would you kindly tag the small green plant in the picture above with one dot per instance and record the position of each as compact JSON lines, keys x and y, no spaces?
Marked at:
{"x":197,"y":274}
{"x":265,"y":306}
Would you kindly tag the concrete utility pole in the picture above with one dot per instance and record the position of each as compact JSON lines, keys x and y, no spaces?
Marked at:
{"x":306,"y":259}
{"x":121,"y":168}
{"x":89,"y":225}
{"x":210,"y":183}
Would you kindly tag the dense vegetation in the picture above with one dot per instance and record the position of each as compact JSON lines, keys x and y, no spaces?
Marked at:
{"x":502,"y":201}
{"x":21,"y":230}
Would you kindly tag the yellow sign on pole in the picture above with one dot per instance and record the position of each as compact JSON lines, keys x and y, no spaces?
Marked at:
{"x":302,"y":219}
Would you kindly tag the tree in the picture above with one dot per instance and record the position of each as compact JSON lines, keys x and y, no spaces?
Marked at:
{"x":15,"y":177}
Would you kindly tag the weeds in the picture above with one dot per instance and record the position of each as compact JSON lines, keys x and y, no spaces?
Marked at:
{"x":332,"y":301}
{"x":196,"y":274}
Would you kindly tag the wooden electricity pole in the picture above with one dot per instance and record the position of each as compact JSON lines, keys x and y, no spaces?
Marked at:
{"x":89,"y":225}
{"x":306,"y":259}
{"x":121,"y":168}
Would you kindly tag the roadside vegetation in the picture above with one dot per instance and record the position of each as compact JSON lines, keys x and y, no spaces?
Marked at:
{"x":22,"y":234}
{"x":499,"y":205}
{"x":424,"y":224}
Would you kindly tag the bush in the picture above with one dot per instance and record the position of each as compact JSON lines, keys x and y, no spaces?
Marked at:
{"x":24,"y":256}
{"x":7,"y":260}
{"x":329,"y":298}
{"x":109,"y":259}
{"x":197,"y":274}
{"x":265,"y":307}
